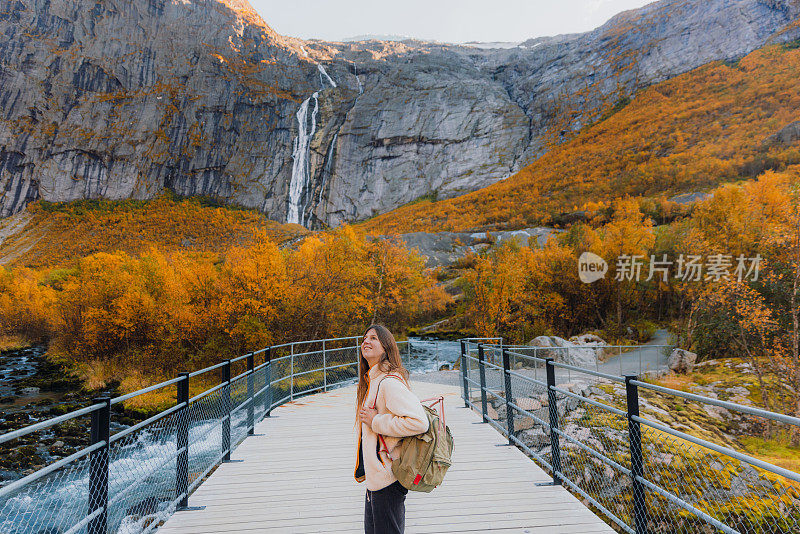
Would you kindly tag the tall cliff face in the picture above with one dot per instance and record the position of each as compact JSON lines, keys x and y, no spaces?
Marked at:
{"x":126,"y":98}
{"x":565,"y":82}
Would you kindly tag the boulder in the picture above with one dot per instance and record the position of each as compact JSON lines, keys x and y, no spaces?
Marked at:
{"x":564,"y":351}
{"x":786,"y":136}
{"x":527,"y":403}
{"x":588,"y":339}
{"x":523,"y":423}
{"x":592,"y":340}
{"x":681,"y":361}
{"x":534,"y":437}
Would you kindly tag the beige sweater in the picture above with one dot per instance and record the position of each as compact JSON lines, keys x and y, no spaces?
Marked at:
{"x":400,"y":414}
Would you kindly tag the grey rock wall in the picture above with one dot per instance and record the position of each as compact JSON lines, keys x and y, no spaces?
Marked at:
{"x":127,"y":98}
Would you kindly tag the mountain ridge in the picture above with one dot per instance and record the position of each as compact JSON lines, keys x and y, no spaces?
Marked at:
{"x":128,"y":99}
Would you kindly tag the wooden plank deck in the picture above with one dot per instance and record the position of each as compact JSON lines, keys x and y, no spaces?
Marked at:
{"x":298,"y":478}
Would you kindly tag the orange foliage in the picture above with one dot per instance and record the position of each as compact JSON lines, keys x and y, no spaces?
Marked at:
{"x":116,"y":315}
{"x":25,"y":304}
{"x":60,"y":234}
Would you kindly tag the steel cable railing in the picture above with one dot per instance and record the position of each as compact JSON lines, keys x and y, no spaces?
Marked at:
{"x":131,"y":479}
{"x":608,"y":441}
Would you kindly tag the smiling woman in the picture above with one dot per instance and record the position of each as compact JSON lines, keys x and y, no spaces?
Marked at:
{"x":386,"y":415}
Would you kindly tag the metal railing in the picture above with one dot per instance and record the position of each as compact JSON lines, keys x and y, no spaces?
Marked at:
{"x":133,"y":479}
{"x":646,"y":469}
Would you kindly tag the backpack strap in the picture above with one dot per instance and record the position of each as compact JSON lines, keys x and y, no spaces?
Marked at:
{"x":380,"y":437}
{"x":440,"y":401}
{"x":400,"y":378}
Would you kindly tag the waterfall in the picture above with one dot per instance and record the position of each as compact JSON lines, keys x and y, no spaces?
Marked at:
{"x":355,"y":72}
{"x":301,"y":166}
{"x":323,"y":73}
{"x":300,"y":155}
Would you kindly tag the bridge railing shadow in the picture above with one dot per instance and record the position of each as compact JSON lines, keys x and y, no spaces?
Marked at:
{"x":646,"y":457}
{"x":131,"y":479}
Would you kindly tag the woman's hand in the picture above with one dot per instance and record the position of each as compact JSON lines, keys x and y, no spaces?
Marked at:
{"x":366,"y":415}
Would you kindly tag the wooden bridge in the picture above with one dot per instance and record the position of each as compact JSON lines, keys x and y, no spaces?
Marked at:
{"x":296,"y":473}
{"x":296,"y":476}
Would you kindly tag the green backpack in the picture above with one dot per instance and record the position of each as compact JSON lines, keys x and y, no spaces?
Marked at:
{"x":424,"y":458}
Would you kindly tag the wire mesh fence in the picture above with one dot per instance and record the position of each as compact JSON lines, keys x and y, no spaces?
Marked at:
{"x":130,"y":479}
{"x":608,"y":439}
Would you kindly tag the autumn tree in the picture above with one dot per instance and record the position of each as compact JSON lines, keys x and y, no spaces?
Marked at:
{"x":625,"y":243}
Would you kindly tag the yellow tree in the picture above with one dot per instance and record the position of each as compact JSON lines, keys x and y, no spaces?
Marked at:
{"x":493,"y":288}
{"x":624,"y":243}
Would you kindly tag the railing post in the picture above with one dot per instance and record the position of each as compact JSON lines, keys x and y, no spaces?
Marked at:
{"x":509,"y":400}
{"x":464,"y":373}
{"x":251,"y":415}
{"x":637,"y":461}
{"x":482,"y":372}
{"x":553,"y":409}
{"x":98,"y":466}
{"x":324,"y":368}
{"x":358,"y":358}
{"x":182,"y":440}
{"x":291,"y":375}
{"x":268,"y":381}
{"x":226,"y":411}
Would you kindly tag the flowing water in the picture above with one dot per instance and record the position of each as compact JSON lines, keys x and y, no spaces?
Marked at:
{"x":300,"y":155}
{"x":429,"y":354}
{"x":301,"y":165}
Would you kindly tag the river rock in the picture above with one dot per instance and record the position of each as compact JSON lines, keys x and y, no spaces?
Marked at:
{"x":564,"y":351}
{"x":527,"y":403}
{"x":534,"y":437}
{"x":681,"y":361}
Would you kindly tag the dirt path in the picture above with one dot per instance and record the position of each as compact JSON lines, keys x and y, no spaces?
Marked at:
{"x":647,"y":357}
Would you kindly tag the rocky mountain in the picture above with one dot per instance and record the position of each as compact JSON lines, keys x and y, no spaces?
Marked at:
{"x":126,"y":98}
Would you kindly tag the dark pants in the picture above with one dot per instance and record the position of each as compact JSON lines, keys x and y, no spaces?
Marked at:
{"x":385,"y":510}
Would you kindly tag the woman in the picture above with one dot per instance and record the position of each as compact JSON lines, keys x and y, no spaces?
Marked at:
{"x":387,"y":411}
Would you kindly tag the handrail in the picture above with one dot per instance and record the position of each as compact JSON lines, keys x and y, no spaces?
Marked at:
{"x":722,"y":404}
{"x":571,"y":448}
{"x":258,"y":400}
{"x":48,"y":423}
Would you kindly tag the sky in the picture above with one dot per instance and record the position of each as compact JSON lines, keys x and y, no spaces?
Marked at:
{"x":452,"y":21}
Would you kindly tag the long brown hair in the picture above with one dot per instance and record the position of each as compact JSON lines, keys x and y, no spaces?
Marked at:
{"x":390,"y":362}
